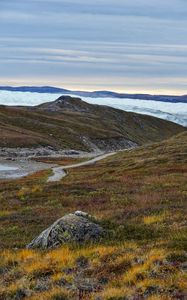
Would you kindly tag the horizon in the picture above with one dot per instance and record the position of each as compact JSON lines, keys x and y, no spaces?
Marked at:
{"x":128,"y":46}
{"x":99,"y":90}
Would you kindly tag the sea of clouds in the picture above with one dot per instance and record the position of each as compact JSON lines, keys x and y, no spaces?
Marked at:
{"x":175,"y":112}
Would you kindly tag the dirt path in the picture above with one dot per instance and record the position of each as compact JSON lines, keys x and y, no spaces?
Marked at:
{"x":59,"y":172}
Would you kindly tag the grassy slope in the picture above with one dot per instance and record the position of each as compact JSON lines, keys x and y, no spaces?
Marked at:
{"x":140,"y":195}
{"x":66,"y":127}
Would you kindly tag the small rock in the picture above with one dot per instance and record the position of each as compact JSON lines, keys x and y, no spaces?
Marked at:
{"x":80,"y":213}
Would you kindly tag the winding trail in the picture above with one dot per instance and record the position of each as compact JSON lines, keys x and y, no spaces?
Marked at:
{"x":59,"y":172}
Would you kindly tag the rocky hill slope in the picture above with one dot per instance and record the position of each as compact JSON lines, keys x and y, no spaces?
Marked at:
{"x":70,"y":123}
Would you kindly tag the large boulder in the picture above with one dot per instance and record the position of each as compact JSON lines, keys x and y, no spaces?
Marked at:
{"x":72,"y":228}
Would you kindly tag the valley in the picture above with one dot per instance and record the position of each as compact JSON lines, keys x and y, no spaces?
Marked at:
{"x":138,"y":195}
{"x":94,"y":168}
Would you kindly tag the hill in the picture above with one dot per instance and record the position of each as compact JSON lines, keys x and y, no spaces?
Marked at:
{"x":95,"y":94}
{"x":70,"y":123}
{"x":139,"y":195}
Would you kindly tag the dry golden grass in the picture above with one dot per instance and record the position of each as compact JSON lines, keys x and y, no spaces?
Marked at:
{"x":126,"y":269}
{"x":155,"y":218}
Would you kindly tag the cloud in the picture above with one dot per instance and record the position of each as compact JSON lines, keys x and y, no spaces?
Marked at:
{"x":154,"y":9}
{"x":102,"y":38}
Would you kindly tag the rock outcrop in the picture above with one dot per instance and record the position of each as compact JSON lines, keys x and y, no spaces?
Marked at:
{"x":67,"y":103}
{"x":72,"y":228}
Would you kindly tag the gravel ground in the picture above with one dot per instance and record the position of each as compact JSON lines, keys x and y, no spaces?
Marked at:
{"x":20,"y":168}
{"x":19,"y":162}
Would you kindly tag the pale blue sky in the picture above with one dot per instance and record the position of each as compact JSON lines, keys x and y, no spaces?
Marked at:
{"x":121,"y":45}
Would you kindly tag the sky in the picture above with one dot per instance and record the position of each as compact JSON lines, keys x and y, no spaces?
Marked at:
{"x":118,"y":45}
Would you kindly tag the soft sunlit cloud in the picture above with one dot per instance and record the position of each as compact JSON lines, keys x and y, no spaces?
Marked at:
{"x":176,"y":86}
{"x":135,"y":45}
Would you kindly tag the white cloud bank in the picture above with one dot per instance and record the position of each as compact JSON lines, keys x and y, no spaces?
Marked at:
{"x":175,"y":112}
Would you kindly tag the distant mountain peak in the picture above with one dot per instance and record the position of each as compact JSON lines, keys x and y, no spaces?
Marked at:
{"x":66,"y":103}
{"x":66,"y":100}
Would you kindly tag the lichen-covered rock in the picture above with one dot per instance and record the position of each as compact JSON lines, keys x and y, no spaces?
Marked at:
{"x":72,"y":228}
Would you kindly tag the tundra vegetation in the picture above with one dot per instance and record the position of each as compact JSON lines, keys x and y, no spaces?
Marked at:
{"x":70,"y":123}
{"x":139,"y":196}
